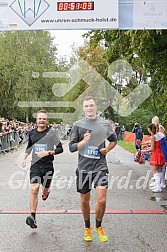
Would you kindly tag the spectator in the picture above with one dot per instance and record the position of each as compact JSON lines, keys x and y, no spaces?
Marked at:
{"x":1,"y":127}
{"x":155,"y":120}
{"x":158,"y":142}
{"x":138,"y":135}
{"x":123,"y":131}
{"x":117,"y":131}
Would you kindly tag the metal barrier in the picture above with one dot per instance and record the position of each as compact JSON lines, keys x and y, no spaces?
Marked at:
{"x":11,"y":140}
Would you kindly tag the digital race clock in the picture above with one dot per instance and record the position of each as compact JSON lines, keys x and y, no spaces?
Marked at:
{"x":75,"y":6}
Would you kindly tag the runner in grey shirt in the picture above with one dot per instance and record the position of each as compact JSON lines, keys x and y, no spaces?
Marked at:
{"x":88,"y":138}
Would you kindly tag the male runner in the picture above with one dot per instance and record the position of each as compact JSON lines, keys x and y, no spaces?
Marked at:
{"x":88,"y":138}
{"x":45,"y":143}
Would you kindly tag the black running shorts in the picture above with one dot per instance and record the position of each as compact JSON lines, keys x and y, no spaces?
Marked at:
{"x":85,"y":179}
{"x":41,"y":175}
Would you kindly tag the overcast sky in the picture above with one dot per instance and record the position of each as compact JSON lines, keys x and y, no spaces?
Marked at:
{"x":64,"y":39}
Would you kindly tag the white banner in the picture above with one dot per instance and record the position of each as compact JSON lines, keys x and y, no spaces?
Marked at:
{"x":150,"y":14}
{"x":142,"y":14}
{"x":60,"y":14}
{"x":80,"y":15}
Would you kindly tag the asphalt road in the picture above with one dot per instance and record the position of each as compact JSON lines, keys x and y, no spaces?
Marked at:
{"x":134,"y":221}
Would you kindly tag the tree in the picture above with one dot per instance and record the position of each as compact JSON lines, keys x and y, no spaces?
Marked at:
{"x":25,"y":56}
{"x":146,"y":51}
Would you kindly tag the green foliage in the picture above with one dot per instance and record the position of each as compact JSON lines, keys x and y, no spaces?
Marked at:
{"x":23,"y":54}
{"x":146,"y":51}
{"x":127,"y":146}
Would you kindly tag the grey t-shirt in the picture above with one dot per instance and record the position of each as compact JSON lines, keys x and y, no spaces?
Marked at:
{"x":90,"y":158}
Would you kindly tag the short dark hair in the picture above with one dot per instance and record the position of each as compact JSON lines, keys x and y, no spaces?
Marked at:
{"x":42,"y":111}
{"x":89,"y":97}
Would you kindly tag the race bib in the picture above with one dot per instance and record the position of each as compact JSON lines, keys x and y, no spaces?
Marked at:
{"x":92,"y":152}
{"x":40,"y":147}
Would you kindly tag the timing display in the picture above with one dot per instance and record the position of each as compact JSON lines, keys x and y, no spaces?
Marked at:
{"x":75,"y":6}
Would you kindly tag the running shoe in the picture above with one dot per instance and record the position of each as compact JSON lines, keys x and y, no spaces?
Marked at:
{"x":31,"y":222}
{"x":152,"y":185}
{"x":163,"y":185}
{"x":88,"y":234}
{"x":156,"y":189}
{"x":102,"y":235}
{"x":166,"y":174}
{"x":44,"y":197}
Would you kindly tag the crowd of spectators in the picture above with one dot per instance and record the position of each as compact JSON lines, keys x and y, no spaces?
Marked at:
{"x":13,"y":133}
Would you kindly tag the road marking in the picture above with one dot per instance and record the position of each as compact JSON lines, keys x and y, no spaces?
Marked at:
{"x":77,"y":211}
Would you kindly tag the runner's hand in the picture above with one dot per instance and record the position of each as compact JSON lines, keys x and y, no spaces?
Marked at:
{"x":86,"y":137}
{"x":103,"y":151}
{"x":42,"y":154}
{"x":23,"y":163}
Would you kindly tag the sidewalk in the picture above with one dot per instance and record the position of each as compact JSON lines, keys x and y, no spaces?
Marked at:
{"x":132,"y":221}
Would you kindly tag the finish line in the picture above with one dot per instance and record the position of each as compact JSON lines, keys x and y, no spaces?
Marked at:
{"x":75,"y":211}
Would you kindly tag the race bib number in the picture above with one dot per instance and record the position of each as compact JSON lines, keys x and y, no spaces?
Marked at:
{"x":40,"y":147}
{"x":92,"y":152}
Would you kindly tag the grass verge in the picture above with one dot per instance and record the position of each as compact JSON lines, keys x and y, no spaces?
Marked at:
{"x":127,"y":146}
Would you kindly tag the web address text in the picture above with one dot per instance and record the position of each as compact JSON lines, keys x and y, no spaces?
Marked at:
{"x":81,"y":20}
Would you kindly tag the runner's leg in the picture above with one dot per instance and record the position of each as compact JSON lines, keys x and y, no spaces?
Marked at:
{"x":85,"y":205}
{"x":101,"y":193}
{"x":46,"y":183}
{"x":34,"y":197}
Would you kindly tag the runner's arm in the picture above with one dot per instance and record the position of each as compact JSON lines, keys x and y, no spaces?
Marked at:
{"x":58,"y":150}
{"x":74,"y":139}
{"x":23,"y":162}
{"x":112,"y":143}
{"x":56,"y":142}
{"x":27,"y":152}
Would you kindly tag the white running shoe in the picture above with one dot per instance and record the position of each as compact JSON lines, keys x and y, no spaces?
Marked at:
{"x":153,"y":184}
{"x":156,"y":189}
{"x":166,"y":175}
{"x":163,"y":185}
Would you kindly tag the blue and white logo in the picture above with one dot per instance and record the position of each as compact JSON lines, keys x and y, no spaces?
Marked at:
{"x":29,"y":10}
